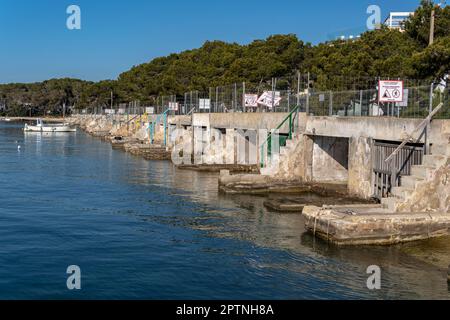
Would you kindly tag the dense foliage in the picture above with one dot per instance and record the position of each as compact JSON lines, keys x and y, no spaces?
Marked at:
{"x":379,"y":53}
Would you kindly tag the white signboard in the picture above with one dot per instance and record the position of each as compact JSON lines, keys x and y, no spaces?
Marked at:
{"x":204,"y":103}
{"x":270,"y":98}
{"x":173,"y":106}
{"x":251,"y":100}
{"x":150,"y":110}
{"x":404,"y":103}
{"x":110,"y":111}
{"x":121,"y":111}
{"x":390,"y":91}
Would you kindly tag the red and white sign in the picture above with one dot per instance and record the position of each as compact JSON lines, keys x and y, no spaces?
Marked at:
{"x":173,"y":106}
{"x":270,"y":99}
{"x":390,"y":91}
{"x":251,"y":100}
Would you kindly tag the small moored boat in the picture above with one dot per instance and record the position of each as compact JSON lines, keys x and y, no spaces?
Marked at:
{"x":54,"y":127}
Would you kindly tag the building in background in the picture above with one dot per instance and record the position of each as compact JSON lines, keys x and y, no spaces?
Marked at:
{"x":396,"y":20}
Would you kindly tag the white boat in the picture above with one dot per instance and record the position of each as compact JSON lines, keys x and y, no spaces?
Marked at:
{"x":54,"y":127}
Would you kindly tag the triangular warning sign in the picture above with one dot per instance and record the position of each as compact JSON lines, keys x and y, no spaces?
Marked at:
{"x":386,"y":94}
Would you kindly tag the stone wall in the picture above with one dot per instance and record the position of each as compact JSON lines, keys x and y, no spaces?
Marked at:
{"x":360,"y":167}
{"x":297,"y":164}
{"x":432,"y":196}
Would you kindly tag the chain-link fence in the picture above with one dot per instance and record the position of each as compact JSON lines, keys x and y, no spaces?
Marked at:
{"x":417,"y":103}
{"x":356,"y":96}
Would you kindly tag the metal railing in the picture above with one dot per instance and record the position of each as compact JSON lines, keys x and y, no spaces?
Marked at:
{"x":152,"y":127}
{"x":394,"y":162}
{"x":292,"y":117}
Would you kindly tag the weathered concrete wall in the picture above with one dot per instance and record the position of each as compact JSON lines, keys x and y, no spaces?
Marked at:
{"x":179,"y":120}
{"x":373,"y":127}
{"x":330,"y":159}
{"x":296,"y":164}
{"x":212,"y":146}
{"x":361,"y":131}
{"x":182,"y":145}
{"x":235,"y":124}
{"x":438,"y":127}
{"x":432,"y":196}
{"x":360,"y":168}
{"x":254,"y":121}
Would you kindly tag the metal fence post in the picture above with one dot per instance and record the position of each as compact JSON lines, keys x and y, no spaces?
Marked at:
{"x":243,"y":97}
{"x":307,"y":96}
{"x":427,"y":127}
{"x":431,"y":98}
{"x":331,"y":103}
{"x":217,"y":99}
{"x":289,"y":101}
{"x":360,"y":103}
{"x":210,"y":95}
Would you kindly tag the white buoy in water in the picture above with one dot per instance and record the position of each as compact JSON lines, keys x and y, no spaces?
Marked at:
{"x":18,"y":147}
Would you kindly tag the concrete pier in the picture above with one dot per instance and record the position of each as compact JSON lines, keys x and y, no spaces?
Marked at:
{"x":345,"y":155}
{"x":373,"y":225}
{"x":125,"y":132}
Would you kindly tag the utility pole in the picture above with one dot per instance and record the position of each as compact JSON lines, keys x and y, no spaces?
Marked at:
{"x":433,"y":20}
{"x":433,"y":15}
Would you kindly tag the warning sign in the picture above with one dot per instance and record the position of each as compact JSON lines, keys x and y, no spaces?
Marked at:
{"x":251,"y":100}
{"x":173,"y":106}
{"x":390,"y":91}
{"x":270,"y":98}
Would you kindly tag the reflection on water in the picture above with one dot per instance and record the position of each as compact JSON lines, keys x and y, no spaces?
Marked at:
{"x":158,"y":232}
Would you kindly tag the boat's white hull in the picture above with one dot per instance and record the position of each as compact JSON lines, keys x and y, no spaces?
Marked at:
{"x":48,"y":128}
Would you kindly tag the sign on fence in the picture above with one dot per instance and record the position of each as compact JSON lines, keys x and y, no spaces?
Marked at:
{"x":251,"y":100}
{"x":121,"y":111}
{"x":390,"y":91}
{"x":110,"y":111}
{"x":150,"y":110}
{"x":173,"y":106}
{"x":204,"y":104}
{"x":404,"y":103}
{"x":270,"y":98}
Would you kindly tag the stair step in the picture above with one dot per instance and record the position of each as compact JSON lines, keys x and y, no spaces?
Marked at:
{"x":421,"y":171}
{"x":402,"y":192}
{"x":390,"y":203}
{"x":433,"y":160}
{"x":411,"y":181}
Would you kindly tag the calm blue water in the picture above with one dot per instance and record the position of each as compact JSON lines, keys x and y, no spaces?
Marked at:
{"x":144,"y":230}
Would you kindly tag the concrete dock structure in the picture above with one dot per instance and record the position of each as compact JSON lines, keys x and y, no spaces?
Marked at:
{"x":334,"y":153}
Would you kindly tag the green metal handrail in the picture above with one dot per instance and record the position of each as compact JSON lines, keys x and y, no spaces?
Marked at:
{"x":153,"y":124}
{"x":291,"y":119}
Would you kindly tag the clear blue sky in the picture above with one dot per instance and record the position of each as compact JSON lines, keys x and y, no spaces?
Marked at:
{"x":117,"y":34}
